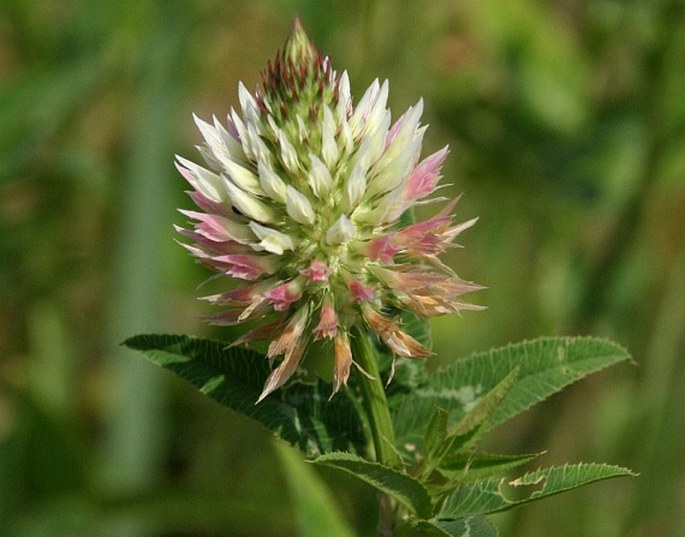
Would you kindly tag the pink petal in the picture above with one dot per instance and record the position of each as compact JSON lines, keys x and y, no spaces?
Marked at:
{"x":392,"y":133}
{"x":246,"y":267}
{"x":423,"y":180}
{"x":382,"y":249}
{"x":232,"y":130}
{"x":204,"y":203}
{"x":328,"y":323}
{"x":282,"y":296}
{"x":318,"y":271}
{"x":359,"y":291}
{"x":212,"y":226}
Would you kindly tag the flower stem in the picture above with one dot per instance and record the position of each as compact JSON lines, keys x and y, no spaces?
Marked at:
{"x":375,"y":403}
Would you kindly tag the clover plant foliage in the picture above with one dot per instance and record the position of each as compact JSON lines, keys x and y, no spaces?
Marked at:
{"x":304,"y":197}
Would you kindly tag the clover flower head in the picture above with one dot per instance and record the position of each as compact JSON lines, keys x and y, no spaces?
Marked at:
{"x":300,"y":197}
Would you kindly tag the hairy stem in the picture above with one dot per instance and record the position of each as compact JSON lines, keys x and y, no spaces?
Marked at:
{"x":376,"y":405}
{"x":374,"y":400}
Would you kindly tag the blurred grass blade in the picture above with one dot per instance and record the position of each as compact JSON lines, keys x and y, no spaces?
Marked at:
{"x":316,"y":509}
{"x":134,"y":418}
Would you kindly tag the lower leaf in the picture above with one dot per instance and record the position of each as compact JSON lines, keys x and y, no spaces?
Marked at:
{"x":400,"y":486}
{"x":234,"y":377}
{"x":490,"y":495}
{"x":473,"y":526}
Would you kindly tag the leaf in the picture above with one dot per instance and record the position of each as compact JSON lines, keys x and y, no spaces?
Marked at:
{"x":234,"y":377}
{"x":479,"y":417}
{"x":468,"y":430}
{"x":490,"y":495}
{"x":472,"y":466}
{"x":546,"y":366}
{"x":436,"y":434}
{"x":404,"y":488}
{"x":316,"y":510}
{"x":473,"y":526}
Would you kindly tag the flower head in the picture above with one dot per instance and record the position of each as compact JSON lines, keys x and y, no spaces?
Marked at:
{"x":300,"y":197}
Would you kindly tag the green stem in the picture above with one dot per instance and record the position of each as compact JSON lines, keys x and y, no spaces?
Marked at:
{"x":374,"y":400}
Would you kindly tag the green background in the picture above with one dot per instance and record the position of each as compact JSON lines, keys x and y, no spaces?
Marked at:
{"x":566,"y":122}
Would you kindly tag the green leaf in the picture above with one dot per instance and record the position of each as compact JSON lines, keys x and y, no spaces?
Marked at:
{"x":473,"y":526}
{"x":404,"y":488}
{"x":316,"y":509}
{"x":471,"y":466}
{"x":546,"y":365}
{"x":436,"y":434}
{"x":468,"y":430}
{"x":479,"y":417}
{"x":494,"y":494}
{"x":234,"y":377}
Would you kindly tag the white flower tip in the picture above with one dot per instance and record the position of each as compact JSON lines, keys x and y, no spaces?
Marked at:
{"x":272,"y":241}
{"x":340,"y":232}
{"x":201,"y":123}
{"x":298,"y":206}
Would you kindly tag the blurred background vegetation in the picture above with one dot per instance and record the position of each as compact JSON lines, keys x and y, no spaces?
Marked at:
{"x":566,"y":121}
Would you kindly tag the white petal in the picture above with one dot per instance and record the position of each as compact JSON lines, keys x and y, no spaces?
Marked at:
{"x":213,"y":139}
{"x":242,"y":134}
{"x":272,"y":185}
{"x":248,"y":104}
{"x":392,"y":168}
{"x":346,"y":135}
{"x":218,"y":140}
{"x":208,"y":157}
{"x":379,"y":110}
{"x":257,"y":146}
{"x":319,"y":177}
{"x":409,"y":128}
{"x":377,"y":138}
{"x":272,"y":240}
{"x":243,"y":178}
{"x":344,"y":107}
{"x":355,"y":186}
{"x":249,"y":205}
{"x":361,"y":111}
{"x":362,"y":157}
{"x":329,"y":147}
{"x":235,"y":150}
{"x":394,"y":174}
{"x":298,"y":207}
{"x":288,"y":153}
{"x":205,"y":182}
{"x":340,"y":232}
